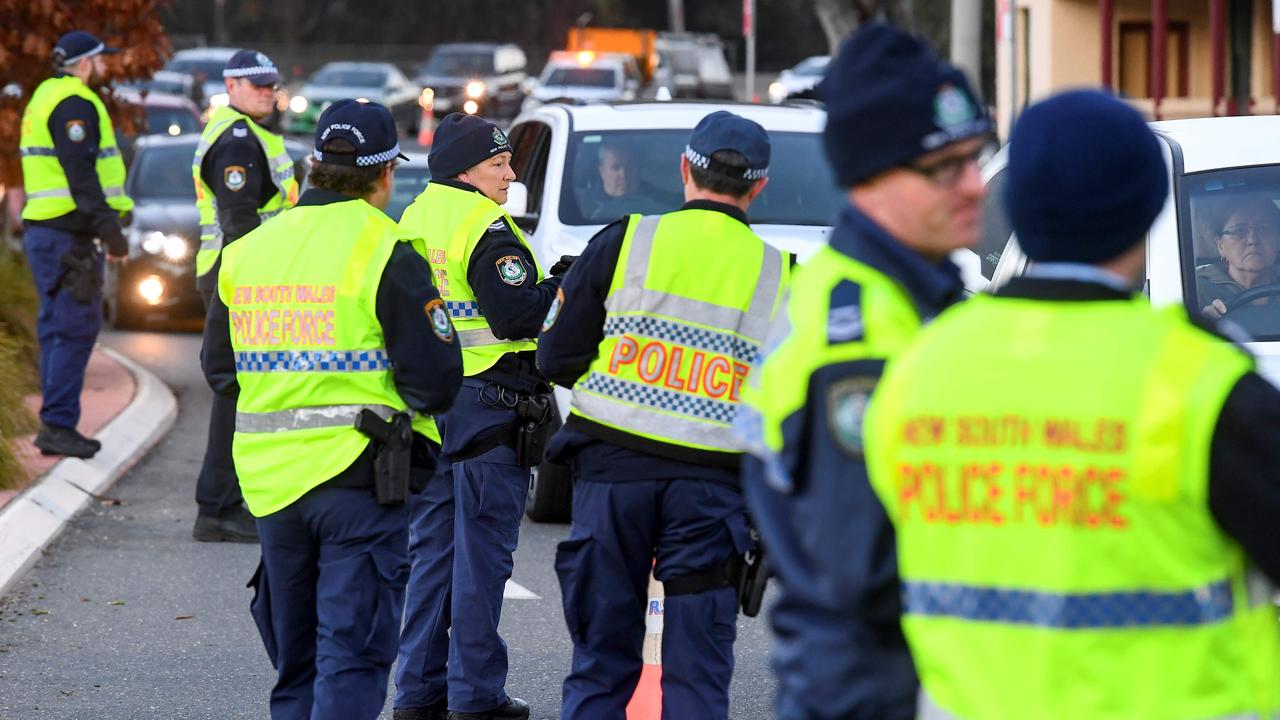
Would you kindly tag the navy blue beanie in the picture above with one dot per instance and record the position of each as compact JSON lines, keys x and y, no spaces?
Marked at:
{"x":1086,"y":178}
{"x":461,"y":141}
{"x":890,"y":100}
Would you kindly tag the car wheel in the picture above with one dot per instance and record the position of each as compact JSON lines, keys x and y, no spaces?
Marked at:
{"x":550,"y":497}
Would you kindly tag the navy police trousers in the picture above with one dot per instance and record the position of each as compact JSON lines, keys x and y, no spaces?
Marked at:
{"x":329,"y":595}
{"x":488,"y":496}
{"x":619,"y":529}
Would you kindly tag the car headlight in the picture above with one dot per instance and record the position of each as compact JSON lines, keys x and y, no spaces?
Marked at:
{"x":298,"y":104}
{"x":475,"y":89}
{"x":470,"y":107}
{"x":777,"y":92}
{"x":219,"y":100}
{"x":172,"y":247}
{"x":427,"y":98}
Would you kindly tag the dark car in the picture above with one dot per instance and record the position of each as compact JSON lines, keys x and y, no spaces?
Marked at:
{"x":374,"y":81}
{"x":159,"y":279}
{"x":476,"y":78}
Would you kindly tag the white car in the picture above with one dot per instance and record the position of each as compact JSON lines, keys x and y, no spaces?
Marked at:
{"x":1214,"y":165}
{"x":582,"y":167}
{"x":799,"y":80}
{"x":585,"y":77}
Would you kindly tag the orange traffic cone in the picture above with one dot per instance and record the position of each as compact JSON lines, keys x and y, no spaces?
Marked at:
{"x":426,"y":126}
{"x":646,"y":703}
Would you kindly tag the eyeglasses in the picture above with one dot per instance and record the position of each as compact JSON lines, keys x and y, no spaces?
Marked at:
{"x":1261,"y":232}
{"x":947,"y":172}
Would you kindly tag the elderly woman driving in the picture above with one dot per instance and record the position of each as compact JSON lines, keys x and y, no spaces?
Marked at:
{"x":1247,"y":235}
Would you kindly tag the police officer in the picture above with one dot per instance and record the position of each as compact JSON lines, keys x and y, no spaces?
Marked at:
{"x":324,"y":315}
{"x":655,"y":329}
{"x":74,"y":180}
{"x":243,"y":175}
{"x":903,"y":135}
{"x":498,"y":297}
{"x":1089,"y":517}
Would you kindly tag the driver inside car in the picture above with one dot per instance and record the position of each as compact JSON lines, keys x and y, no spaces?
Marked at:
{"x":1247,"y":234}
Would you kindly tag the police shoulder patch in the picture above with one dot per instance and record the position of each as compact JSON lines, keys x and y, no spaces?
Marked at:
{"x":844,"y":313}
{"x":846,"y":405}
{"x":234,"y":177}
{"x":240,"y":132}
{"x":500,"y":225}
{"x":511,"y":269}
{"x":440,"y":323}
{"x":553,"y":312}
{"x":75,"y":130}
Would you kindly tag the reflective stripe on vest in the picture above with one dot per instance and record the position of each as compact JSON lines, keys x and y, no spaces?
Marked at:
{"x":658,"y":335}
{"x":307,"y":418}
{"x":282,"y":176}
{"x":313,"y":361}
{"x":1051,"y":514}
{"x":48,"y":192}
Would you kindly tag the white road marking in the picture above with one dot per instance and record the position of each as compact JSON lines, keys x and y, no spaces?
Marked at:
{"x":516,"y":591}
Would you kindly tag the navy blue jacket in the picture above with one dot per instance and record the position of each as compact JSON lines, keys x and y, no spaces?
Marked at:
{"x":427,"y":370}
{"x":567,"y":348}
{"x":78,"y":155}
{"x":839,"y":649}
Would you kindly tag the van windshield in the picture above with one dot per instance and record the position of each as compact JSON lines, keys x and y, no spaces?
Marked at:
{"x":1230,"y":247}
{"x":611,"y":174}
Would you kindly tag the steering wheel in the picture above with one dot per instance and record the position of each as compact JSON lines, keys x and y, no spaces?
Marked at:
{"x":1247,"y":297}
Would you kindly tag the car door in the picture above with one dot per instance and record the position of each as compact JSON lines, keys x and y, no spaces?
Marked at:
{"x":531,"y":146}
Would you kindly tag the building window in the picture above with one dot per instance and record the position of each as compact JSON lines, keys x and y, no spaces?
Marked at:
{"x":1135,"y":59}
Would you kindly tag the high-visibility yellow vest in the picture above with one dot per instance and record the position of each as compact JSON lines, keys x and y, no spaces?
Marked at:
{"x":872,"y":318}
{"x":451,"y":223}
{"x":1045,"y":466}
{"x":309,"y":350}
{"x":691,"y":300}
{"x":282,"y":176}
{"x":45,"y":182}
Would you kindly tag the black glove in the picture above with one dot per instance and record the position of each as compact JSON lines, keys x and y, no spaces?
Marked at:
{"x":126,"y":218}
{"x":562,"y":267}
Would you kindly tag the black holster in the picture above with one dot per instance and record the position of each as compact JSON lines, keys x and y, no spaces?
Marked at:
{"x":80,"y":276}
{"x":753,"y":578}
{"x":393,"y":441}
{"x":527,"y":434}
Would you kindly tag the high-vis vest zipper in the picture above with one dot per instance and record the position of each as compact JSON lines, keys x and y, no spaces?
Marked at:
{"x":308,"y":347}
{"x":48,"y":192}
{"x":451,"y":223}
{"x":1045,"y":466}
{"x":678,"y":341}
{"x":282,"y":177}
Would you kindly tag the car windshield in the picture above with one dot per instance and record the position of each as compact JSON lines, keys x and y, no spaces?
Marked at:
{"x":409,"y":183}
{"x":581,"y":77}
{"x":350,"y":77}
{"x":453,"y":63}
{"x":163,"y":172}
{"x":171,"y":121}
{"x":1230,"y":246}
{"x":210,"y":69}
{"x":611,"y":174}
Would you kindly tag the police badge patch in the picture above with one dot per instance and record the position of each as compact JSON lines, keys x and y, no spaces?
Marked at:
{"x":233,"y":177}
{"x":511,"y":270}
{"x":553,"y":312}
{"x":498,"y":137}
{"x":440,"y":323}
{"x":75,"y":130}
{"x":846,"y":405}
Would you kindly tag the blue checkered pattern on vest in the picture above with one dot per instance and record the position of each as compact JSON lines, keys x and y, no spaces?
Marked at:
{"x":313,"y":361}
{"x":1200,"y":606}
{"x":662,"y":399}
{"x":461,"y":309}
{"x":717,"y":342}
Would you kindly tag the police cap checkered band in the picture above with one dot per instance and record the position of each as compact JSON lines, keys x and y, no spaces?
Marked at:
{"x":367,"y":126}
{"x":722,"y":130}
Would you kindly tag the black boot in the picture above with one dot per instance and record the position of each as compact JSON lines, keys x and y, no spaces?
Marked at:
{"x":437,"y":711}
{"x":235,"y":526}
{"x":515,"y":709}
{"x":65,"y":441}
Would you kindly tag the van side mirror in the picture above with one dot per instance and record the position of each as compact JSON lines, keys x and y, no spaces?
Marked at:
{"x":517,"y":204}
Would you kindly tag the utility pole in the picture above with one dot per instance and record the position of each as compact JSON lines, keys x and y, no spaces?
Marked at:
{"x":220,"y":21}
{"x":966,"y":38}
{"x":675,"y":13}
{"x":749,"y":32}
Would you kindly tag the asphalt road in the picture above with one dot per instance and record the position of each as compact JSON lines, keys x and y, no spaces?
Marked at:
{"x":126,"y":617}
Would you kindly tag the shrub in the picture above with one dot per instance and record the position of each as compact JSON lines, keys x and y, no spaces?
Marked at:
{"x":19,"y":358}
